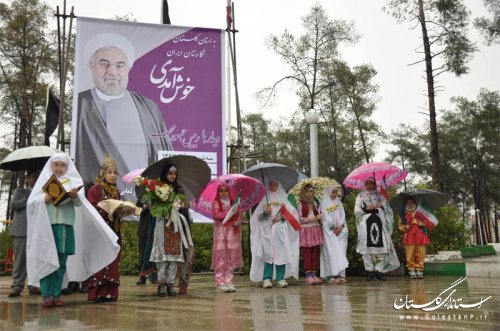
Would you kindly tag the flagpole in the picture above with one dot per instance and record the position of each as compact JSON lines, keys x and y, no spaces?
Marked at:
{"x":64,"y":45}
{"x":232,"y":47}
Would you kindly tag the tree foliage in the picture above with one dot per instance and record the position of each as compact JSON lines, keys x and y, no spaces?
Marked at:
{"x":446,"y":48}
{"x":469,"y":157}
{"x":490,"y":27}
{"x":27,"y":62}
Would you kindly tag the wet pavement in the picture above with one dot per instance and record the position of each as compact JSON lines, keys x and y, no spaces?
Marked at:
{"x":356,"y":305}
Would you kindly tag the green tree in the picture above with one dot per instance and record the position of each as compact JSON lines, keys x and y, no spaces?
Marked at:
{"x":307,"y":53}
{"x":446,"y":48}
{"x":472,"y":141}
{"x":27,"y":59}
{"x":410,"y":152}
{"x":490,"y":27}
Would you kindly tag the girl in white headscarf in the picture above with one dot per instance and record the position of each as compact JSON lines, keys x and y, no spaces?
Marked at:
{"x":374,"y":222}
{"x":274,"y":243}
{"x":333,"y":253}
{"x":57,"y":234}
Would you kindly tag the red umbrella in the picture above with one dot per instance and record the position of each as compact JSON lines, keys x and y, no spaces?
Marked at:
{"x":250,"y":189}
{"x":381,"y":171}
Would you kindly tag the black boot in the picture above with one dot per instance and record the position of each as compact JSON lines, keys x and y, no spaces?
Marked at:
{"x":380,"y":276}
{"x":141,"y":281}
{"x":170,"y":291}
{"x":162,"y":290}
{"x":370,"y":275}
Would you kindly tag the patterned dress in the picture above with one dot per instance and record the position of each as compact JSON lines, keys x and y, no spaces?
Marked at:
{"x":105,"y":283}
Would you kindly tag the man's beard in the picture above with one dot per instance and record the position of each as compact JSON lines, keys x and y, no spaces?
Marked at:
{"x":110,"y":87}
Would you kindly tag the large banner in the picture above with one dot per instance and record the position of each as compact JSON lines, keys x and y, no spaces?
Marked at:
{"x":144,"y":92}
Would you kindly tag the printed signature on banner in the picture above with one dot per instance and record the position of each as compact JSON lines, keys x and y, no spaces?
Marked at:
{"x":445,"y":300}
{"x":187,"y":140}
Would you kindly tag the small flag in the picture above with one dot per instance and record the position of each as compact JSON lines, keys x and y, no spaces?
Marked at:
{"x":165,"y":16}
{"x":290,"y":217}
{"x":383,"y":189}
{"x":425,"y":214}
{"x":51,"y":116}
{"x":229,"y":14}
{"x":232,"y":212}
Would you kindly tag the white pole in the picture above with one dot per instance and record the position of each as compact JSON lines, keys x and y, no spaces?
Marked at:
{"x":314,"y":149}
{"x":312,"y":117}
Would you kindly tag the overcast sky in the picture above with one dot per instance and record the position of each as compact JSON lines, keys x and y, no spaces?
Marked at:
{"x":387,"y":45}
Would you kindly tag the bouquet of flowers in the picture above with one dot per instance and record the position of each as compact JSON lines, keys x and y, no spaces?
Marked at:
{"x":161,"y":196}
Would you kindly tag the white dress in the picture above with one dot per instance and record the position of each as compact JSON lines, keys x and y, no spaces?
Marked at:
{"x":273,"y":243}
{"x":333,"y":260}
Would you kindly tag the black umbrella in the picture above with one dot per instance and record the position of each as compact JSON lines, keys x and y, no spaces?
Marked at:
{"x":287,"y":176}
{"x":192,"y":173}
{"x":435,"y":199}
{"x":27,"y":158}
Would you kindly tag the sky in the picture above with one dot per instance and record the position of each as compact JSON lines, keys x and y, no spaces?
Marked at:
{"x":384,"y":43}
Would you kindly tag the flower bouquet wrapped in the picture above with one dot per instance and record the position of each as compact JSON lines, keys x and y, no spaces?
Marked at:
{"x":159,"y":194}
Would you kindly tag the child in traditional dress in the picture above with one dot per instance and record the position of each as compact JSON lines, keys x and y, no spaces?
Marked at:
{"x":333,"y":253}
{"x":226,"y":252}
{"x":374,"y":222}
{"x":414,"y":228}
{"x":64,"y":239}
{"x":103,"y":285}
{"x":311,"y":236}
{"x":172,"y":240}
{"x":62,"y":218}
{"x":274,"y":242}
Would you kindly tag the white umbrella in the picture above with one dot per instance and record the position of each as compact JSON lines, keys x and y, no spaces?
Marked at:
{"x":27,"y":158}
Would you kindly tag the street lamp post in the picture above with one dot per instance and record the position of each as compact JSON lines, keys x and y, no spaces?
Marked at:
{"x":312,"y":118}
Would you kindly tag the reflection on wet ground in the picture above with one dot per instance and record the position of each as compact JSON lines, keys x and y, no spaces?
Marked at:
{"x":356,"y":305}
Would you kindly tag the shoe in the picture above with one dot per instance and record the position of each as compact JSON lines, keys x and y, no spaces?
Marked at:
{"x":370,"y":275}
{"x":66,"y":291}
{"x":14,"y":293}
{"x":170,"y":291}
{"x":380,"y":276}
{"x":84,"y":289}
{"x":97,"y":300}
{"x":231,"y":287}
{"x":58,"y":303}
{"x":282,"y":283}
{"x":162,"y":290}
{"x":317,"y":280}
{"x":47,"y":303}
{"x":141,"y":281}
{"x":420,"y":274}
{"x":335,"y":280}
{"x":413,"y":274}
{"x":342,"y":279}
{"x":310,"y":280}
{"x":33,"y":290}
{"x":110,"y":299}
{"x":222,"y":288}
{"x":266,"y":283}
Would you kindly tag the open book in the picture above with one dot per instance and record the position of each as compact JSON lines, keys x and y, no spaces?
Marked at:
{"x":55,"y":189}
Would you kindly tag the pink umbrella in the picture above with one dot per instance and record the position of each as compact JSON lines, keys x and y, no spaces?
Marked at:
{"x":129,"y":178}
{"x":250,"y":189}
{"x":392,"y":174}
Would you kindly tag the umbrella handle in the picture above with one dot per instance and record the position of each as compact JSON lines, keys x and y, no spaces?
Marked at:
{"x":263,"y":182}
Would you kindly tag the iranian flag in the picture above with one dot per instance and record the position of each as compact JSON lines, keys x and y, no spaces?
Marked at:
{"x":291,"y":217}
{"x":232,"y":211}
{"x":425,"y":213}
